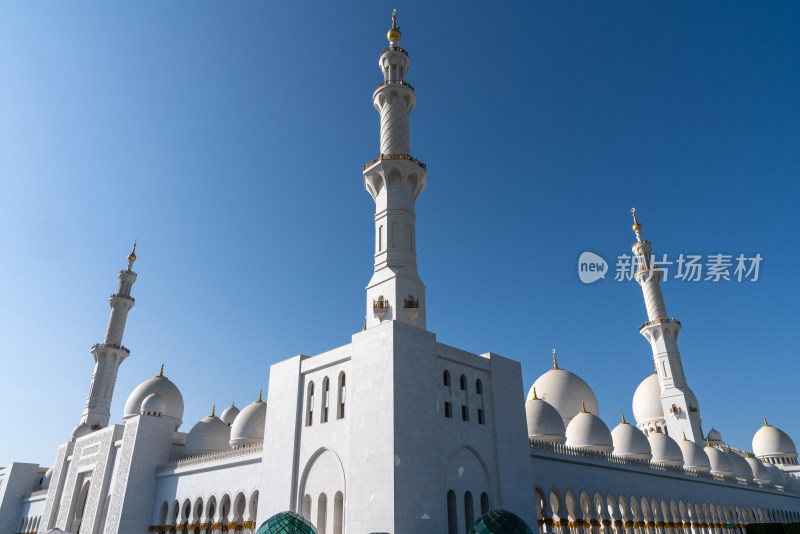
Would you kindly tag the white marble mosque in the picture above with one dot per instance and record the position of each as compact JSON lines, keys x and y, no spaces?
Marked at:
{"x":399,"y":433}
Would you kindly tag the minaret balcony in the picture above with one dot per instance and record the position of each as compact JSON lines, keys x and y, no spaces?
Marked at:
{"x":394,"y":49}
{"x":411,"y":308}
{"x":110,"y":346}
{"x":394,"y":157}
{"x":659,"y":321}
{"x":394,"y":82}
{"x":380,"y":307}
{"x":121,"y":296}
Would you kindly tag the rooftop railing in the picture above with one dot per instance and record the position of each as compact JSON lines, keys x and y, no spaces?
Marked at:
{"x":197,"y":459}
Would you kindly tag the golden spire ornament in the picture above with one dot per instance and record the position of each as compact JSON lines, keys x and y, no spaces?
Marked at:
{"x":161,"y":372}
{"x":213,"y":410}
{"x":259,"y":395}
{"x":583,"y":407}
{"x":534,"y":395}
{"x":555,"y":361}
{"x":394,"y":33}
{"x":637,"y":226}
{"x":132,"y":255}
{"x":624,"y":422}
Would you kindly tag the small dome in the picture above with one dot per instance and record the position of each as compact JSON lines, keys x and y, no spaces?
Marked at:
{"x":166,"y":389}
{"x":693,"y":456}
{"x":229,"y":414}
{"x":565,"y":391}
{"x":248,"y":427}
{"x":500,"y":522}
{"x":760,"y":472}
{"x":630,"y":442}
{"x":153,"y":404}
{"x":49,"y":473}
{"x":286,"y":523}
{"x":544,"y":421}
{"x":81,"y":430}
{"x":647,"y":401}
{"x":587,"y":431}
{"x":770,"y":441}
{"x":775,"y":475}
{"x":720,"y":464}
{"x":741,"y":469}
{"x":666,"y":450}
{"x":714,"y":436}
{"x":210,"y":434}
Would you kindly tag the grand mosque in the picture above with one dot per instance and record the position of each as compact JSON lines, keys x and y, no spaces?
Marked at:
{"x":396,"y":432}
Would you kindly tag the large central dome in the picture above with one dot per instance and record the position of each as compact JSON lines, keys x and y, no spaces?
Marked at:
{"x":565,"y":391}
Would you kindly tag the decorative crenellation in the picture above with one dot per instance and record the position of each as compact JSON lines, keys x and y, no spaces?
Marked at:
{"x":244,"y":450}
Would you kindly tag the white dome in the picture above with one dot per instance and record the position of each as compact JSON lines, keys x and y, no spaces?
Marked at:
{"x":771,"y":441}
{"x":248,"y":427}
{"x":760,"y":472}
{"x":714,"y":435}
{"x":720,"y":465}
{"x":565,"y":391}
{"x":166,"y":389}
{"x":153,"y":404}
{"x":229,"y":414}
{"x":630,"y":442}
{"x":81,"y":430}
{"x":544,"y":421}
{"x":647,"y":401}
{"x":693,"y":456}
{"x":210,"y":434}
{"x":741,"y":469}
{"x":587,"y":431}
{"x":775,"y":475}
{"x":665,"y":449}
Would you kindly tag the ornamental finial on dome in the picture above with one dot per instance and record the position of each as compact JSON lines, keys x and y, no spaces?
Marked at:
{"x":707,"y":444}
{"x":555,"y":361}
{"x":583,"y":407}
{"x":132,"y":256}
{"x":684,"y":436}
{"x":394,"y":33}
{"x":765,"y":421}
{"x":534,"y":395}
{"x":624,"y":422}
{"x":213,"y":411}
{"x":637,"y":226}
{"x":747,"y":454}
{"x":259,"y":395}
{"x":161,"y":372}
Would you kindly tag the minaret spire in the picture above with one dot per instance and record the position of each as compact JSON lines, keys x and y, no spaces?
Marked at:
{"x":395,"y":180}
{"x":681,"y":409}
{"x":109,"y":354}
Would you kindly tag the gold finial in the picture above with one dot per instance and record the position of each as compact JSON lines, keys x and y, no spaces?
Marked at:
{"x":394,"y":33}
{"x":213,"y":410}
{"x":765,"y":421}
{"x":583,"y":407}
{"x":637,"y":226}
{"x":747,"y":454}
{"x":161,"y":372}
{"x":555,"y":362}
{"x":707,"y":443}
{"x":534,"y":395}
{"x":132,"y":255}
{"x":657,"y":430}
{"x":624,"y":422}
{"x":259,"y":395}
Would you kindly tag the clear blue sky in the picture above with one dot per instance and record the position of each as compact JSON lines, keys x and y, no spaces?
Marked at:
{"x":228,"y":138}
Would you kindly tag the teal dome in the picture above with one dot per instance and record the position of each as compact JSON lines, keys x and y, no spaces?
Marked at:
{"x":500,"y":522}
{"x":286,"y":523}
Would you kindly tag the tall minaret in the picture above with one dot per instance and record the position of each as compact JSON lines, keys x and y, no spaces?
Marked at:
{"x":395,"y":180}
{"x":681,"y":411}
{"x":109,"y":354}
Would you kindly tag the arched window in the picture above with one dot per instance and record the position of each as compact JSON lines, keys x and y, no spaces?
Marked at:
{"x":322,"y":513}
{"x":446,"y":377}
{"x":342,"y":391}
{"x":484,"y":503}
{"x":463,"y":382}
{"x":481,"y":411}
{"x":478,"y":387}
{"x":306,"y":507}
{"x":310,"y":404}
{"x":469,"y":511}
{"x":464,"y":399}
{"x":338,"y":508}
{"x":452,"y":513}
{"x":325,"y":392}
{"x":448,"y":404}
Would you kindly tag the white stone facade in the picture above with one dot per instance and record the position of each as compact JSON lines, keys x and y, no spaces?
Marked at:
{"x":397,"y":432}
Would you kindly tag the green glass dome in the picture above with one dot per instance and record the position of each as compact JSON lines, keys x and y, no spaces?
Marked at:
{"x":286,"y":523}
{"x":500,"y":522}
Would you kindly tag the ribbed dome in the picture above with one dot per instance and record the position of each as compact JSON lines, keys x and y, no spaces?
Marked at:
{"x":587,"y":431}
{"x":500,"y":522}
{"x":771,"y":441}
{"x":166,"y":389}
{"x":693,"y":456}
{"x":81,"y":430}
{"x":665,"y":449}
{"x":210,"y":434}
{"x":714,"y":436}
{"x":647,"y":401}
{"x":741,"y":469}
{"x":760,"y":472}
{"x":153,"y":404}
{"x":630,"y":442}
{"x":720,"y":465}
{"x":565,"y":391}
{"x":544,"y":421}
{"x":248,"y":427}
{"x":229,"y":414}
{"x":286,"y":523}
{"x":775,"y":475}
